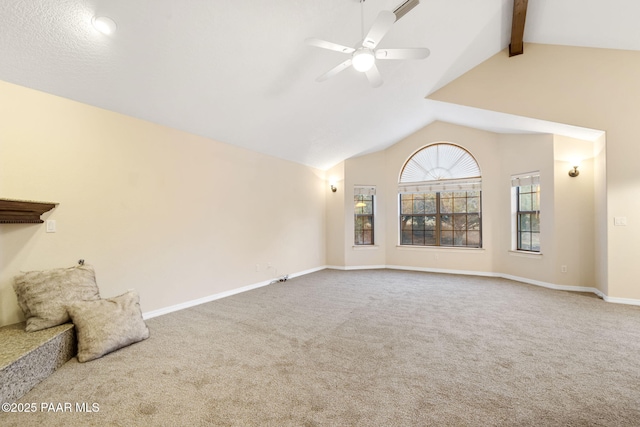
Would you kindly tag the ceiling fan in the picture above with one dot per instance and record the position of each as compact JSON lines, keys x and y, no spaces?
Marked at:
{"x":364,"y":55}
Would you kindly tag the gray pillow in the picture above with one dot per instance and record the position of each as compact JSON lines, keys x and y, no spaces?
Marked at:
{"x":106,"y":325}
{"x":43,"y":295}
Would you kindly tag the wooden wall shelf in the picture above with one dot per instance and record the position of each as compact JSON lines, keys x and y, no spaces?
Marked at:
{"x":23,"y":211}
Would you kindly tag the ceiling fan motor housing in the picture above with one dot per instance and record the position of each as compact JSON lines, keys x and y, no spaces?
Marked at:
{"x":363,"y":59}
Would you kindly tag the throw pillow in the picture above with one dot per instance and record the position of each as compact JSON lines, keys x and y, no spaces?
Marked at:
{"x":107,"y":325}
{"x":43,"y":295}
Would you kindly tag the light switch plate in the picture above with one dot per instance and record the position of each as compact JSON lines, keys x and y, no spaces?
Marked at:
{"x":51,"y":226}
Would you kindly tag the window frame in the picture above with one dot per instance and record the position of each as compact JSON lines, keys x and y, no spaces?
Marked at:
{"x":437,"y":169}
{"x":531,"y":213}
{"x":438,"y":215}
{"x":357,"y":216}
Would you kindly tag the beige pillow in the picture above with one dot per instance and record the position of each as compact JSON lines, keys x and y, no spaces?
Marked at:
{"x":43,"y":295}
{"x":106,"y":325}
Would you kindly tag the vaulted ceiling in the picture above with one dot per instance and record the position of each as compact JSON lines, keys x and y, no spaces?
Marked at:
{"x":239,"y":71}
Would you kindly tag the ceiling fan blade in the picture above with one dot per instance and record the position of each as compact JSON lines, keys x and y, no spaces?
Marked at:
{"x":379,"y":29}
{"x":410,"y":53}
{"x":312,"y":41}
{"x":374,"y":76}
{"x":335,"y":70}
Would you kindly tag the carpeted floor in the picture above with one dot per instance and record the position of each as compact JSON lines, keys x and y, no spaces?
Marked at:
{"x":366,"y":348}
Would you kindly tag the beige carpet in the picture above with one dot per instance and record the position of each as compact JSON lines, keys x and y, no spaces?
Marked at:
{"x":366,"y":348}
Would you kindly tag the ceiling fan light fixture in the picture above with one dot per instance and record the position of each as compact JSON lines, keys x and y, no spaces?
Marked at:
{"x":363,"y":59}
{"x":104,"y":24}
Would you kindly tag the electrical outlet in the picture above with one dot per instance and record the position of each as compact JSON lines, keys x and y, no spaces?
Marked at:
{"x":257,"y":267}
{"x":620,"y":221}
{"x":563,"y":268}
{"x":268,"y":265}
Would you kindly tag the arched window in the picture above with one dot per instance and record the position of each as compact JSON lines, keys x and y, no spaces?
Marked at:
{"x":440,"y":198}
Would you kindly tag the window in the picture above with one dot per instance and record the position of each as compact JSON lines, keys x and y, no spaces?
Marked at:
{"x":441,"y":219}
{"x":363,"y":219}
{"x":440,"y":198}
{"x":364,"y":209}
{"x":526,"y":194}
{"x":529,"y":217}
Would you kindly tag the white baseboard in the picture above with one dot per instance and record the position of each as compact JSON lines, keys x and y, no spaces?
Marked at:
{"x":304,"y":272}
{"x":598,"y":292}
{"x":617,"y":300}
{"x":356,"y":267}
{"x":442,"y":270}
{"x":192,"y":303}
{"x":554,"y":286}
{"x":551,"y":285}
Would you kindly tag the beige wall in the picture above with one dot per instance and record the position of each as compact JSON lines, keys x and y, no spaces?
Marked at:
{"x":335,"y":216}
{"x":567,"y":225}
{"x":366,"y":170}
{"x":575,"y":213}
{"x":600,"y":215}
{"x":594,"y":88}
{"x":567,"y":209}
{"x":180,"y":217}
{"x":521,"y":154}
{"x":173,"y":215}
{"x":483,"y":146}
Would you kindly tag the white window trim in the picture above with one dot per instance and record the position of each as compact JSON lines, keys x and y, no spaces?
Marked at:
{"x":525,"y":254}
{"x":366,"y":190}
{"x":465,"y":184}
{"x":460,"y":249}
{"x":529,"y":178}
{"x":519,"y":180}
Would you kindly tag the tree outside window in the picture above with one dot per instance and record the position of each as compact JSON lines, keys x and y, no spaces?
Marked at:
{"x":444,"y":218}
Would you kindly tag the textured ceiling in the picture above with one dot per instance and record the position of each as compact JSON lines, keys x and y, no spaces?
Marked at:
{"x":239,"y":71}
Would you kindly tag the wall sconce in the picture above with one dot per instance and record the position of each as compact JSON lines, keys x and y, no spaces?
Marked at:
{"x":333,"y":188}
{"x":574,"y":172}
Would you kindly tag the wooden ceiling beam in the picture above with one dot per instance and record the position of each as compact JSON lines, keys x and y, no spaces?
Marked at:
{"x":516,"y":47}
